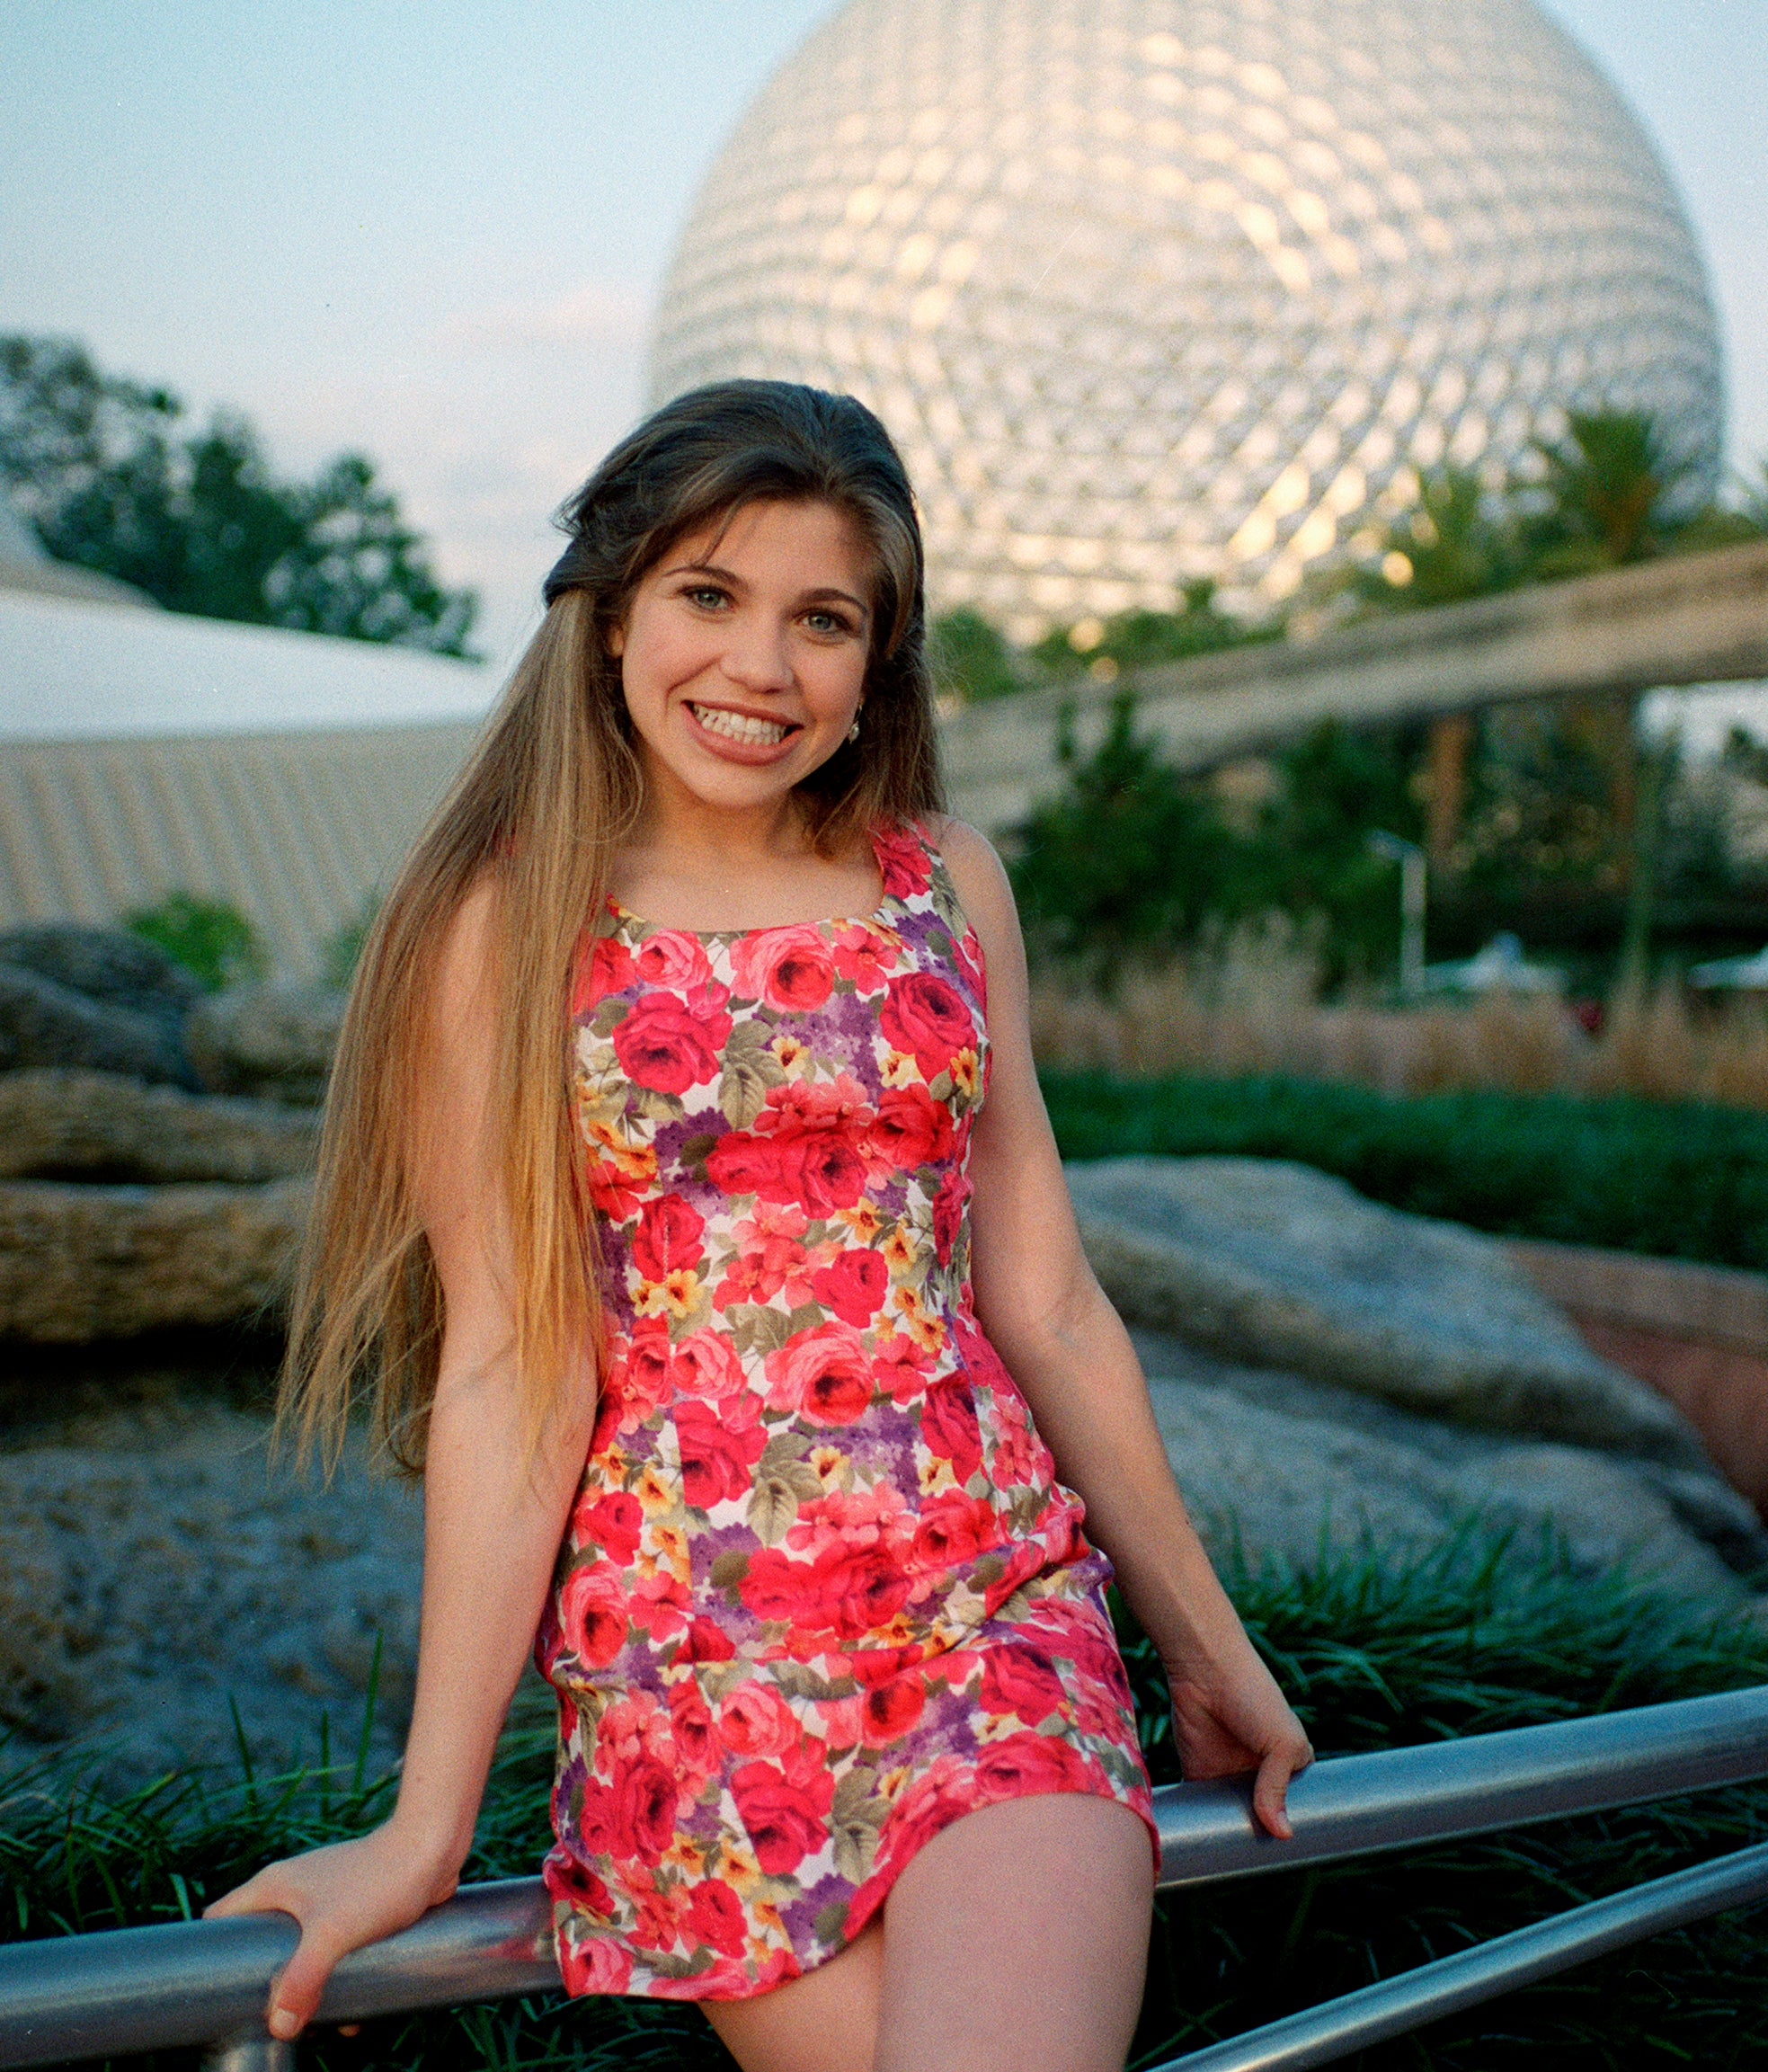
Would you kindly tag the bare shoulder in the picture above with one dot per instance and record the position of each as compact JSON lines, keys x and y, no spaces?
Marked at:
{"x":467,"y":944}
{"x":978,"y":875}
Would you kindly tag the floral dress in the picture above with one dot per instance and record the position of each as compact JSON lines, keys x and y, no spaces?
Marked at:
{"x":820,"y":1592}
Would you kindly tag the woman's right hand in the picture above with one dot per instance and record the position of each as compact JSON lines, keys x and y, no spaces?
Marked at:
{"x":342,"y":1895}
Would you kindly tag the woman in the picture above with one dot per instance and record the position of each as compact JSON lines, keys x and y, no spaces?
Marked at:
{"x":691,"y":1236}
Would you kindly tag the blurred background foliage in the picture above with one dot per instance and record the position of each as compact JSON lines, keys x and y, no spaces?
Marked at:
{"x":109,"y":477}
{"x":1558,"y":821}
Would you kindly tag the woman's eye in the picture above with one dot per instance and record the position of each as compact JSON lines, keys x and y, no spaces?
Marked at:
{"x":707,"y":594}
{"x":827,"y":622}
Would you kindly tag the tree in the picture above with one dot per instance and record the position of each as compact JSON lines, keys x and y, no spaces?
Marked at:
{"x":971,"y":660}
{"x":101,"y":468}
{"x":1143,"y":639}
{"x":1453,"y":545}
{"x":1126,"y":862}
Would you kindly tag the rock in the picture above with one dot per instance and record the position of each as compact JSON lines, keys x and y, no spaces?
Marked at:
{"x":145,"y":1581}
{"x":43,"y":1022}
{"x":1491,"y":1470}
{"x":1264,"y":1482}
{"x":114,"y":967}
{"x":1277,"y":1265}
{"x":276,"y":1040}
{"x":57,"y":1124}
{"x":80,"y":1263}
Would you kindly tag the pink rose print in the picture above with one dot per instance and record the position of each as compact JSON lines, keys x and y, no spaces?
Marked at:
{"x":954,"y":1528}
{"x":925,"y":1017}
{"x":717,"y":1457}
{"x":792,"y":968}
{"x":785,"y":1814}
{"x":672,"y":959}
{"x":592,"y":1614}
{"x":672,"y":1043}
{"x":716,"y":1915}
{"x":904,"y":863}
{"x":756,"y":1720}
{"x":606,"y":967}
{"x":692,"y":1718}
{"x":853,"y":1285}
{"x":822,"y":1374}
{"x":597,"y":1965}
{"x":948,"y":1206}
{"x":1020,"y":1680}
{"x":705,"y":1365}
{"x":612,"y":1523}
{"x":643,"y":1811}
{"x":1024,"y":1764}
{"x":912,"y":1128}
{"x":668,"y":1237}
{"x":889,"y":1711}
{"x":948,"y":1425}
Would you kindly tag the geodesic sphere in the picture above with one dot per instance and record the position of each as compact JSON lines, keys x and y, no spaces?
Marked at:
{"x":1155,"y":289}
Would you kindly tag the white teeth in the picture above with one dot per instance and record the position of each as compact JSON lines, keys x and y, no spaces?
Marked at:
{"x":739,"y":727}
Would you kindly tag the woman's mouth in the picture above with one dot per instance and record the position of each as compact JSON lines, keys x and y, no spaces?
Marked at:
{"x":740,"y":727}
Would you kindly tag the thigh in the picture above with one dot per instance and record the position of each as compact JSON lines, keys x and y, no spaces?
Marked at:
{"x":825,"y":2022}
{"x":1017,"y":1939}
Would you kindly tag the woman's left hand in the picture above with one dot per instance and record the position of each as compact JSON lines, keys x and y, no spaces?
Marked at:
{"x":1229,"y":1717}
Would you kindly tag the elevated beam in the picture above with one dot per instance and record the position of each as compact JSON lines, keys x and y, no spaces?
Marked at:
{"x":1692,"y":618}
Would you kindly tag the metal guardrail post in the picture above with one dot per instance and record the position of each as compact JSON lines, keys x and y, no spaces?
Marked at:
{"x":252,"y":2054}
{"x":1395,"y":2007}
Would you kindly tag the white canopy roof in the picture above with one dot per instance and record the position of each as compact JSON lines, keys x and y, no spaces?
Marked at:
{"x":71,"y":669}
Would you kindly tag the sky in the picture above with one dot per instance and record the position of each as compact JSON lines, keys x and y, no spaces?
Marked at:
{"x":435,"y":234}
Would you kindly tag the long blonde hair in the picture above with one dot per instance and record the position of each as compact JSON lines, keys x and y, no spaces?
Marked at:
{"x":550,"y":791}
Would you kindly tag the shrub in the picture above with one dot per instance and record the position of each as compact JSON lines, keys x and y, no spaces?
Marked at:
{"x":1678,"y":1180}
{"x":213,"y":941}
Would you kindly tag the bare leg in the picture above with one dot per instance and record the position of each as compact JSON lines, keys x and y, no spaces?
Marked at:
{"x":1015,"y":1941}
{"x":825,"y":2022}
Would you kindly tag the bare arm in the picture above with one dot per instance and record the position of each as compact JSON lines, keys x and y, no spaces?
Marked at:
{"x":1063,"y":1343}
{"x":494,"y":1512}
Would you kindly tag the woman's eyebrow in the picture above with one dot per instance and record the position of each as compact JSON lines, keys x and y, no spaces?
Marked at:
{"x":845,"y":597}
{"x":735,"y":581}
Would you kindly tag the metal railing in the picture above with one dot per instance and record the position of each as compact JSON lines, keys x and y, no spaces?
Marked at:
{"x":206,"y":1982}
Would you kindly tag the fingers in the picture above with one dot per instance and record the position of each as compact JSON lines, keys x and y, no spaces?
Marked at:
{"x":295,"y":1994}
{"x":1270,"y":1788}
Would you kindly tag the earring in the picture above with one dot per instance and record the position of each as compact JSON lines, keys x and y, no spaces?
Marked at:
{"x":853,"y":732}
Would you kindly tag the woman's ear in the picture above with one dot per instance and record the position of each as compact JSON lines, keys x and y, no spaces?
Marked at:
{"x":617,"y":641}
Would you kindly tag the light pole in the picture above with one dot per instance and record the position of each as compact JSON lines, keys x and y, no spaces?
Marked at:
{"x":1410,"y":859}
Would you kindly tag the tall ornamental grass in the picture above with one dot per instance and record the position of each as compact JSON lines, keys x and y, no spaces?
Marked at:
{"x":1373,"y":1657}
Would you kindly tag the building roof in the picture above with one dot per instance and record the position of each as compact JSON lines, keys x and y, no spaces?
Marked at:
{"x":69,"y":672}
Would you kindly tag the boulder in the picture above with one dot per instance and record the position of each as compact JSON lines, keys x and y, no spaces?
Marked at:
{"x":1277,"y":1461}
{"x":43,"y":1022}
{"x":1277,"y":1265}
{"x":111,"y":965}
{"x":275,"y":1040}
{"x":58,"y":1123}
{"x":1264,"y":1483}
{"x":148,"y":1577}
{"x":80,"y":1263}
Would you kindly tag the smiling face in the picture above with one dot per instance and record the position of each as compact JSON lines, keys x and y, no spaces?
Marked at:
{"x":743,"y":655}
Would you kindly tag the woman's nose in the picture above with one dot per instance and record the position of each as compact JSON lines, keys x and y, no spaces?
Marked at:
{"x":756,"y":656}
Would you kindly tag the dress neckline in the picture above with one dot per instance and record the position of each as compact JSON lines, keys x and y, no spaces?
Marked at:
{"x":834,"y":920}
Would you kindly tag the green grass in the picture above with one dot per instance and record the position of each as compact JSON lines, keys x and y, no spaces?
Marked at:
{"x":1372,"y":1658}
{"x":1675,"y":1180}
